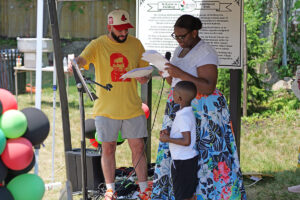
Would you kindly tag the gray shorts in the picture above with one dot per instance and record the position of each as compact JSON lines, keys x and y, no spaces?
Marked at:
{"x":108,"y":129}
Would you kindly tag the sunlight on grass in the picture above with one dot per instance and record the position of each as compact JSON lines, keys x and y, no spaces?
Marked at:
{"x":270,"y":146}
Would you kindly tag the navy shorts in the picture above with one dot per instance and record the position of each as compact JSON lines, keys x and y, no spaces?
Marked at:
{"x":184,"y":178}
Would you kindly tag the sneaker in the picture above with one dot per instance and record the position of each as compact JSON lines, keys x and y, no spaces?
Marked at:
{"x":146,"y":195}
{"x":110,"y":195}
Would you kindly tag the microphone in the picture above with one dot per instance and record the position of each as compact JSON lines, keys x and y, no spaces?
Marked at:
{"x":168,"y":55}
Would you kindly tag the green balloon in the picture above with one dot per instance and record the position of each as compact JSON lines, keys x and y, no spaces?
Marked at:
{"x":96,"y":138}
{"x":2,"y":141}
{"x":120,"y":139}
{"x":27,"y":187}
{"x":13,"y":123}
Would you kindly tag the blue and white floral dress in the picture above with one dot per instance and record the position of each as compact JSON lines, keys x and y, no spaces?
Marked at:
{"x":219,"y":171}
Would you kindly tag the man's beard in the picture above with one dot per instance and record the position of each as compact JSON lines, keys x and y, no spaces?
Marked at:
{"x":116,"y":38}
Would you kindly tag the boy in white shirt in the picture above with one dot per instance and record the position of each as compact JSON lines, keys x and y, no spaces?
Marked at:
{"x":182,"y":139}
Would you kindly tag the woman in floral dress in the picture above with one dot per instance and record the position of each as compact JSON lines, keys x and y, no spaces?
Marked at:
{"x":219,"y":171}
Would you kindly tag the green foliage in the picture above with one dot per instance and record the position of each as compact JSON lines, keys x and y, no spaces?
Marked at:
{"x":285,"y":71}
{"x":293,"y":41}
{"x":260,"y":100}
{"x":282,"y":101}
{"x":8,"y":42}
{"x":258,"y":50}
{"x":257,"y":94}
{"x":75,"y":6}
{"x":224,"y":82}
{"x":297,"y":6}
{"x":24,"y":4}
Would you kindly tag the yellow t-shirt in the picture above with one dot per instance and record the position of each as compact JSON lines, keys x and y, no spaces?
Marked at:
{"x":112,"y":60}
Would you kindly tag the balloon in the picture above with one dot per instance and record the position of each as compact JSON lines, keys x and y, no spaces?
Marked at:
{"x":94,"y":143}
{"x":13,"y":123}
{"x":120,"y":140}
{"x":2,"y":141}
{"x":38,"y":125}
{"x":13,"y":173}
{"x":96,"y":138}
{"x":5,"y":194}
{"x":90,"y":128}
{"x":146,"y":110}
{"x":3,"y":171}
{"x":27,"y":187}
{"x":1,"y":108}
{"x":8,"y":100}
{"x":17,"y":154}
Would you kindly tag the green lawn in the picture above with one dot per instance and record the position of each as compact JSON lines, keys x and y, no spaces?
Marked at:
{"x":268,"y":145}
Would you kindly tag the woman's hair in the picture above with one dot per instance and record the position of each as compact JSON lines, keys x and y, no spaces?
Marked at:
{"x":188,"y":22}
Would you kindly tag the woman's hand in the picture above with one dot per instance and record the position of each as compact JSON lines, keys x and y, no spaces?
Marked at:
{"x":143,"y":80}
{"x":161,"y":73}
{"x":173,"y":70}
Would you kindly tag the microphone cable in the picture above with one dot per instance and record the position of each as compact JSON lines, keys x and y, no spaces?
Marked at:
{"x":145,"y":145}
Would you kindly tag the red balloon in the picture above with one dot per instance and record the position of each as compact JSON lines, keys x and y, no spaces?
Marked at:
{"x":94,"y":143}
{"x":8,"y":100}
{"x":17,"y":154}
{"x":146,"y":110}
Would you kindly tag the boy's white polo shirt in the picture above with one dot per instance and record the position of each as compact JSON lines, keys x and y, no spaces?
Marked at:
{"x":184,"y":121}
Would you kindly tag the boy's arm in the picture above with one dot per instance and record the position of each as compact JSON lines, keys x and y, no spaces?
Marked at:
{"x":184,"y":141}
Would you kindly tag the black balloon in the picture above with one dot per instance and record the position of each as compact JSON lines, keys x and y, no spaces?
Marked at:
{"x":3,"y":171}
{"x":90,"y":128}
{"x":119,"y":143}
{"x":38,"y":125}
{"x":5,"y":194}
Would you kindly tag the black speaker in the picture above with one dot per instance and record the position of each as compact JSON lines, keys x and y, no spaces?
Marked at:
{"x":93,"y":168}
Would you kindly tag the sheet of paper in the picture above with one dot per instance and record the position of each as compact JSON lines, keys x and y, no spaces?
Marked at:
{"x":157,"y":60}
{"x":138,"y":72}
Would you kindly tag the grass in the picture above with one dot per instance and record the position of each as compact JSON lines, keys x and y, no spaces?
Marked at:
{"x":269,"y":145}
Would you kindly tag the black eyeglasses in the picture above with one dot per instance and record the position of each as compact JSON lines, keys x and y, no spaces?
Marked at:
{"x":179,"y":37}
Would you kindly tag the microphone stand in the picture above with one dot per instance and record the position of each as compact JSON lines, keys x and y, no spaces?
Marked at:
{"x":82,"y":142}
{"x":82,"y":88}
{"x":89,"y":80}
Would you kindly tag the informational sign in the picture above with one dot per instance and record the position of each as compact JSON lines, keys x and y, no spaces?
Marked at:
{"x":221,"y":21}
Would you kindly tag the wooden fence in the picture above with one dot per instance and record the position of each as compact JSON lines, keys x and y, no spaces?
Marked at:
{"x":88,"y":20}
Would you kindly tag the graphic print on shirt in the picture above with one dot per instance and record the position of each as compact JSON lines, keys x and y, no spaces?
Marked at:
{"x":119,"y":63}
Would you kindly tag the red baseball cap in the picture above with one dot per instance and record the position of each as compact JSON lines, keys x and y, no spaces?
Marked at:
{"x":119,"y":19}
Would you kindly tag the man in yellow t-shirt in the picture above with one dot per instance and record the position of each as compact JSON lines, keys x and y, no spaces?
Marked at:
{"x":120,"y":109}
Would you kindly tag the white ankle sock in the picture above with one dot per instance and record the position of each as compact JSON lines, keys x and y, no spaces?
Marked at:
{"x":143,"y":186}
{"x":110,"y":186}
